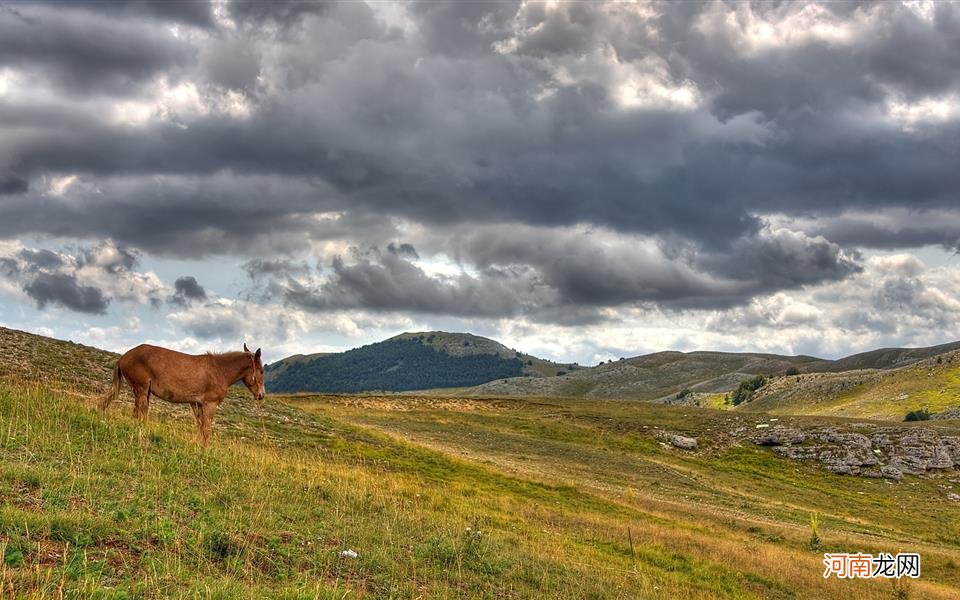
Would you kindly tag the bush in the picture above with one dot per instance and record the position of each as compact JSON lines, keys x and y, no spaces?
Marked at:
{"x":792,"y":371}
{"x":683,"y":393}
{"x":918,"y":415}
{"x":744,"y":392}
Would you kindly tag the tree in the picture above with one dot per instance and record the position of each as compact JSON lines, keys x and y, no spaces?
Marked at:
{"x":744,"y":392}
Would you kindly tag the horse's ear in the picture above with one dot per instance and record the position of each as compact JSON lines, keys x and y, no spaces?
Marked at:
{"x":257,"y":355}
{"x":245,"y":347}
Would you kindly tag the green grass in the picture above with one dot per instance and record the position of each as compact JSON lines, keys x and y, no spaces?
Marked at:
{"x":440,"y":497}
{"x":886,"y":395}
{"x":100,"y":504}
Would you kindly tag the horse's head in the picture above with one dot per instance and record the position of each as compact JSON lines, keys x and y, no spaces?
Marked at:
{"x":254,"y":377}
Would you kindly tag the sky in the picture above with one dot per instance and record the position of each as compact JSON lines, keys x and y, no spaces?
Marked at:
{"x":581,"y":181}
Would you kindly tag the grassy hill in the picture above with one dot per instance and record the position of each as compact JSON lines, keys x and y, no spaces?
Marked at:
{"x":661,"y":376}
{"x":651,"y":377}
{"x":887,"y":358}
{"x":410,"y":361}
{"x":439,"y":497}
{"x":932,"y":383}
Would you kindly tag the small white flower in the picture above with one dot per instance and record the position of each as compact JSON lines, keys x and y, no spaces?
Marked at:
{"x":349,"y":553}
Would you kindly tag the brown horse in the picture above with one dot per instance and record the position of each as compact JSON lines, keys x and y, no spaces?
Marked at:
{"x":198,"y":380}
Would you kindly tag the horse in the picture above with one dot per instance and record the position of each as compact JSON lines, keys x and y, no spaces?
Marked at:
{"x":199,"y":380}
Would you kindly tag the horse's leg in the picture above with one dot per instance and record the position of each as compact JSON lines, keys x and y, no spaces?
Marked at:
{"x":209,"y":409}
{"x":146,"y":401}
{"x":198,"y":416}
{"x":140,"y":401}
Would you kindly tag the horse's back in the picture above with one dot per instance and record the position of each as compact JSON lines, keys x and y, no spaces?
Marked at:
{"x":157,"y":360}
{"x":168,"y":374}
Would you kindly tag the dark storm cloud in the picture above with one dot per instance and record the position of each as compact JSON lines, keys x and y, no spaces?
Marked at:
{"x":86,"y":280}
{"x":62,"y":289}
{"x":259,"y":268}
{"x":187,"y":290}
{"x":231,"y":217}
{"x":40,"y":259}
{"x":389,"y":282}
{"x":595,"y":268}
{"x":673,"y":124}
{"x":406,"y":250}
{"x":887,"y":230}
{"x":87,"y":52}
{"x":695,"y":173}
{"x":12,"y":184}
{"x":781,"y":259}
{"x":282,"y":12}
{"x":561,"y":276}
{"x":189,"y":12}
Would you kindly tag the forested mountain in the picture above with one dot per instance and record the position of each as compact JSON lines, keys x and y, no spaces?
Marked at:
{"x":397,"y":364}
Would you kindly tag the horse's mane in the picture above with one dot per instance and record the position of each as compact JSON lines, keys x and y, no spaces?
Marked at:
{"x":227,"y":354}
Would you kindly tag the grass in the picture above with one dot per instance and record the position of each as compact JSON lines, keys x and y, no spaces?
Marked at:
{"x":439,"y":497}
{"x":932,"y":384}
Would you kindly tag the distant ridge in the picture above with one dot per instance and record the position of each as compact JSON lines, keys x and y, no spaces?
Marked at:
{"x":887,"y":358}
{"x":479,"y":366}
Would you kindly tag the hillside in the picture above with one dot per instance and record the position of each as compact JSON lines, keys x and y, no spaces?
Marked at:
{"x":477,"y":366}
{"x":410,"y":361}
{"x":886,"y":358}
{"x":661,"y":376}
{"x":437,"y":497}
{"x":651,"y":377}
{"x":932,"y":384}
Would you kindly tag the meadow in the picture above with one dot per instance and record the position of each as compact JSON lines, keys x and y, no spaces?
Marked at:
{"x":438,"y":498}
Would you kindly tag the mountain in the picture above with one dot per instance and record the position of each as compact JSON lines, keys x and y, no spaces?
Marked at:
{"x":409,"y":361}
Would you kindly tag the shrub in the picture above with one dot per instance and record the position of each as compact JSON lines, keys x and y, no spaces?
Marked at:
{"x":744,"y":392}
{"x":918,"y":415}
{"x":683,"y":393}
{"x":792,"y":371}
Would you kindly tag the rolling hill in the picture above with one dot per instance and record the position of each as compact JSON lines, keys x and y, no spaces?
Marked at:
{"x":428,"y":496}
{"x":661,"y":376}
{"x":410,"y":361}
{"x":475,"y":366}
{"x":652,"y":377}
{"x":932,"y":383}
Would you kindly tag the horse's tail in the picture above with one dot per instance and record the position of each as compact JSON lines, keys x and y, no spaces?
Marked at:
{"x":114,"y":388}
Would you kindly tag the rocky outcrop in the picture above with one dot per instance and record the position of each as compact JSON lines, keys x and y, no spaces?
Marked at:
{"x":887,"y":452}
{"x":676,"y":440}
{"x":781,"y":436}
{"x":951,"y":413}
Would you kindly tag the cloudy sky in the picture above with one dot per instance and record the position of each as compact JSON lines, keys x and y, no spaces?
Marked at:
{"x":578,"y":180}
